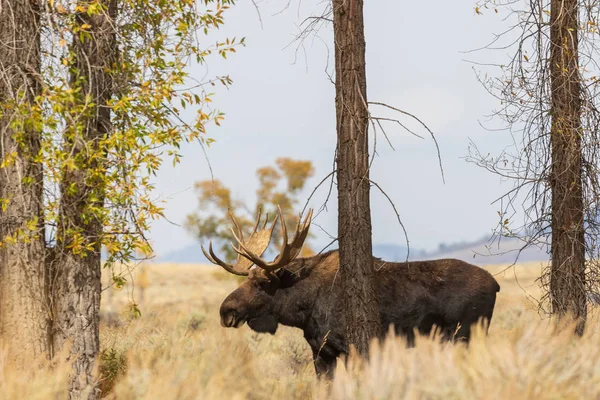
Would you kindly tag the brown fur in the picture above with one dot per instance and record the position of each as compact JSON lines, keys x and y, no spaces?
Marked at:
{"x":449,"y":294}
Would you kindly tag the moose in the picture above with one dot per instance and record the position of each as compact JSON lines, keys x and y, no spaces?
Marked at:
{"x":447,"y":295}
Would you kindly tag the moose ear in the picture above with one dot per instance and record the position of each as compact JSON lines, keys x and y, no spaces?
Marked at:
{"x":286,"y":278}
{"x":257,"y":274}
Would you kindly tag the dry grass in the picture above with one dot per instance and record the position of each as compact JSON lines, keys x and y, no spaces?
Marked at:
{"x":178,"y":350}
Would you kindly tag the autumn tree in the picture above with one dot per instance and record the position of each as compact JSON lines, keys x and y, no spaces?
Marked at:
{"x":24,"y":322}
{"x":90,"y":96}
{"x":279,"y":186}
{"x":76,"y":273}
{"x":549,"y":92}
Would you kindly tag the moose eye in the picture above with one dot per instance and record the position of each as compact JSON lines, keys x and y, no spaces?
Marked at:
{"x":269,"y":286}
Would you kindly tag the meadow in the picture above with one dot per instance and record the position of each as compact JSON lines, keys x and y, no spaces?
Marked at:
{"x":177,"y":349}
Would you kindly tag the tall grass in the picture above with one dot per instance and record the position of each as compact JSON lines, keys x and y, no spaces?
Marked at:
{"x":532,"y":361}
{"x":178,"y":350}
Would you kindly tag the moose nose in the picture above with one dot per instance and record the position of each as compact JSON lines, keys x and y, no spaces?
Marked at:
{"x":228,"y":317}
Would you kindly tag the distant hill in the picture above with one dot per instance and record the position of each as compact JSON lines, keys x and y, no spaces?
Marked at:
{"x":482,"y":252}
{"x":395,"y":252}
{"x":478,"y":252}
{"x":193,"y":254}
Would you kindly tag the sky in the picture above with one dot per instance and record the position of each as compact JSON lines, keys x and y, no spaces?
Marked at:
{"x":282,"y":104}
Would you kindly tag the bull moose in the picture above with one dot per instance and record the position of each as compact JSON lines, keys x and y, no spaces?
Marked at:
{"x":450,"y":295}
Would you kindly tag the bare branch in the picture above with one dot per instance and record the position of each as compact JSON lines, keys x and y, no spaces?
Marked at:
{"x":422,"y":124}
{"x":397,"y":216}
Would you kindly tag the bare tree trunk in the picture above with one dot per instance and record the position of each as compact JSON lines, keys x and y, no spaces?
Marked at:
{"x":354,"y":223}
{"x":78,"y":276}
{"x":24,"y":318}
{"x":567,"y":277}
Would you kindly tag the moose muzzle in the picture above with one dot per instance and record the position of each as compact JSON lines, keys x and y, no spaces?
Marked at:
{"x":231,"y":318}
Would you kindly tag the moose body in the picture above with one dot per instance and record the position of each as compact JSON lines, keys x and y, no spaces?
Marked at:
{"x":450,"y":295}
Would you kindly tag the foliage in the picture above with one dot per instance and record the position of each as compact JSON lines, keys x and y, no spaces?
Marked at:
{"x":113,"y":365}
{"x":279,"y":185}
{"x":155,"y":43}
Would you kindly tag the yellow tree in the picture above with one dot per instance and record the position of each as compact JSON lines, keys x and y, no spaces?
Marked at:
{"x":279,"y":186}
{"x":84,"y":125}
{"x":23,"y":274}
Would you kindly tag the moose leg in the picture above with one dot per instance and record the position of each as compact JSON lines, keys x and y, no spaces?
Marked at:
{"x":324,"y":364}
{"x":480,"y":310}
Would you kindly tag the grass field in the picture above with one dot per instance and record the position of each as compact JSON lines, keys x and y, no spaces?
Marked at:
{"x":178,"y":350}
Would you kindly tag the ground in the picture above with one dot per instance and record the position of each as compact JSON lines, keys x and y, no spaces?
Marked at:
{"x":178,"y":350}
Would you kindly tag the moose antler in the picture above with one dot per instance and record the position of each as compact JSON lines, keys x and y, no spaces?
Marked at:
{"x":289,"y":251}
{"x":258,"y":242}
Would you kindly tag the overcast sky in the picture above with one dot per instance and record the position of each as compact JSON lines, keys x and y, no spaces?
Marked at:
{"x":282,"y":105}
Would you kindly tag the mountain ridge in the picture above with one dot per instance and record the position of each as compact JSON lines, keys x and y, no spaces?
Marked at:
{"x":479,"y":251}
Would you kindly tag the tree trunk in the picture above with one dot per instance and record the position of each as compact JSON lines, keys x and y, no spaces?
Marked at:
{"x":354,"y":212}
{"x":78,"y":275}
{"x":567,"y":277}
{"x":24,"y":317}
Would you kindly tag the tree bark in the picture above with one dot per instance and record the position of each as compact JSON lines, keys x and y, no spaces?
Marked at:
{"x":567,"y":277}
{"x":24,"y":317}
{"x":354,"y":211}
{"x":78,"y":275}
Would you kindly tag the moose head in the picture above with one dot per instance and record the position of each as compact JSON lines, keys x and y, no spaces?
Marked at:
{"x":254,"y":301}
